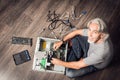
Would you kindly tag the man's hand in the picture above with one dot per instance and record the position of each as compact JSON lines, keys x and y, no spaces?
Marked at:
{"x":57,"y":45}
{"x":74,"y":64}
{"x":56,"y":61}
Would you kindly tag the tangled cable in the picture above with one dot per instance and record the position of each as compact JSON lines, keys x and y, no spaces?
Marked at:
{"x":56,"y":21}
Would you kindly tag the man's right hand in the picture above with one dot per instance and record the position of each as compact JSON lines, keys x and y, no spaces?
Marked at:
{"x":57,"y":45}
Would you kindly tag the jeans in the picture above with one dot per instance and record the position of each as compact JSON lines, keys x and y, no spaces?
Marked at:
{"x":78,"y":50}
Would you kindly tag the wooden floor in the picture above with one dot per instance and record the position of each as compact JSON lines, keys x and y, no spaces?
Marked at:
{"x":26,"y":18}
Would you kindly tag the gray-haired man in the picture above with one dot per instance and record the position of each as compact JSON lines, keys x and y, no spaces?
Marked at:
{"x":91,"y":49}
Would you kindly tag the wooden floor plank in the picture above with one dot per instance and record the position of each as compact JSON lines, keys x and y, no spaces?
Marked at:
{"x":27,"y":18}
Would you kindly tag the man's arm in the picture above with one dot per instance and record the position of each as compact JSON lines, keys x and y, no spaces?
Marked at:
{"x":72,"y":34}
{"x":74,"y":64}
{"x":67,"y":37}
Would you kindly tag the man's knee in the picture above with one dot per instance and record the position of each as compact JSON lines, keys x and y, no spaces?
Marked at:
{"x":70,"y":74}
{"x":75,"y":73}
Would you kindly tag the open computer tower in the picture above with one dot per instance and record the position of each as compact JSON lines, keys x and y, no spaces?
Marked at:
{"x":44,"y":52}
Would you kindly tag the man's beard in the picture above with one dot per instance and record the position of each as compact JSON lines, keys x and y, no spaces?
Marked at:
{"x":90,"y":41}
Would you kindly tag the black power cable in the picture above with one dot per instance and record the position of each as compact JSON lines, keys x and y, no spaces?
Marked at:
{"x":55,"y":21}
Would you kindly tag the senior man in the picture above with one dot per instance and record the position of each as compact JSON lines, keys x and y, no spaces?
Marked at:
{"x":90,"y":49}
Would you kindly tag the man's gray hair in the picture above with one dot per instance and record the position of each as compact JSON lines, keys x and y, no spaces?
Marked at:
{"x":101,"y":24}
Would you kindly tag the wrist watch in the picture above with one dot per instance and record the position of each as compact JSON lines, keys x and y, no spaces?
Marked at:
{"x":63,"y":41}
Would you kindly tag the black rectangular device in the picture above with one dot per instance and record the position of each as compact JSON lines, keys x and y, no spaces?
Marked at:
{"x":21,"y":40}
{"x":21,"y":57}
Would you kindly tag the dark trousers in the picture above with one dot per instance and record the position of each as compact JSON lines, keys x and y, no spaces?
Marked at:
{"x":78,"y":50}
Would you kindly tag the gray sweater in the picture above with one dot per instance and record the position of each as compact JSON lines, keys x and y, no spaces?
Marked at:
{"x":99,"y":55}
